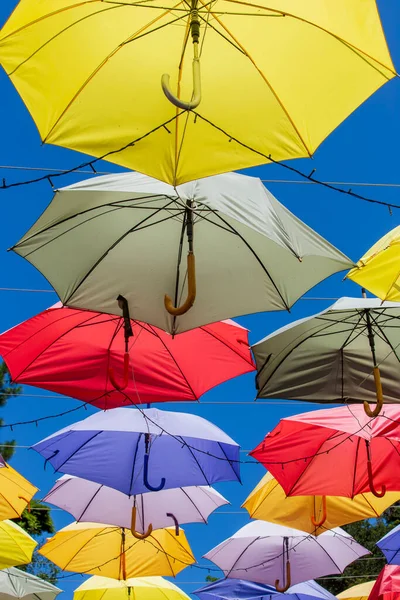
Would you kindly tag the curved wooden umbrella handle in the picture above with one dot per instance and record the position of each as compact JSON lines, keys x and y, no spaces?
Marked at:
{"x":28,"y":503}
{"x":379,"y":396}
{"x":288,"y":580}
{"x":139,"y":536}
{"x":112,"y":379}
{"x":371,"y":482}
{"x":191,"y":274}
{"x":324,"y":515}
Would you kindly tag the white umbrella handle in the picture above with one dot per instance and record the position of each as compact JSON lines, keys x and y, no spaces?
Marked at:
{"x":196,"y":96}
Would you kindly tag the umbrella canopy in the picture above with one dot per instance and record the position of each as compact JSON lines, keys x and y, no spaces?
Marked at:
{"x":357,"y":592}
{"x":387,"y":586}
{"x":136,"y":451}
{"x":314,"y":514}
{"x":334,"y":356}
{"x":15,"y":583}
{"x":378,"y":270}
{"x":44,"y":350}
{"x":240,"y":589}
{"x":140,"y":588}
{"x":390,"y":546}
{"x":92,"y":548}
{"x":272,"y":554}
{"x":335,"y":452}
{"x":16,"y":546}
{"x":15,"y":492}
{"x":263,"y":91}
{"x":235,"y":589}
{"x":89,"y":501}
{"x":252,"y":254}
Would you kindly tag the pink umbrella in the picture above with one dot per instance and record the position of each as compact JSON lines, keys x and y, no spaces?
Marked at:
{"x":387,"y":586}
{"x":335,"y":452}
{"x":113,"y":361}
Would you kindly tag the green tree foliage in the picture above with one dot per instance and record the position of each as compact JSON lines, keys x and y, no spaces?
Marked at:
{"x":367,"y":533}
{"x":7,"y":389}
{"x":37,"y":520}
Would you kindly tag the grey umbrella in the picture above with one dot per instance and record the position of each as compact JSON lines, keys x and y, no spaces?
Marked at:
{"x":133,"y":237}
{"x":346,"y":353}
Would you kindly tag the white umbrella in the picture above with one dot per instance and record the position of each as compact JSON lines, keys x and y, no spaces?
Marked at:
{"x":272,"y":554}
{"x":127,"y":235}
{"x":15,"y":583}
{"x":91,"y":502}
{"x":339,"y":355}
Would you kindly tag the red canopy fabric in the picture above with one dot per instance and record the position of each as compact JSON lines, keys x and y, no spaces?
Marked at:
{"x":387,"y":586}
{"x":70,"y":352}
{"x":325,"y":452}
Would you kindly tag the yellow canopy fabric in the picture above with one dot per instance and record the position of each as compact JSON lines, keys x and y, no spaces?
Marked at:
{"x":357,"y":592}
{"x":16,"y":546}
{"x":15,"y":492}
{"x":268,"y":502}
{"x":90,"y":75}
{"x":137,"y":588}
{"x":114,"y":552}
{"x":379,"y":269}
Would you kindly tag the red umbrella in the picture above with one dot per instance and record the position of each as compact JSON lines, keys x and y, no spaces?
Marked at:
{"x":387,"y":586}
{"x":335,"y":452}
{"x":113,"y":361}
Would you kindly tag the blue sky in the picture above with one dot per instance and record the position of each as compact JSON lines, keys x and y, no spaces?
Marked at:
{"x":363,"y":149}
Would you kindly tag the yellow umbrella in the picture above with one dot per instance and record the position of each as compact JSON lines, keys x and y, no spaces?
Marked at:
{"x":268,"y":502}
{"x":16,"y":546}
{"x":15,"y":492}
{"x":276,"y":77}
{"x":137,"y":588}
{"x":114,"y":552}
{"x":357,"y":592}
{"x":378,"y":270}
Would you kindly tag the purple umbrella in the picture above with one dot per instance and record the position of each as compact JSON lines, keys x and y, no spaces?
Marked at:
{"x":92,"y":502}
{"x":240,"y":589}
{"x":273,"y":554}
{"x":390,"y":546}
{"x":136,"y":451}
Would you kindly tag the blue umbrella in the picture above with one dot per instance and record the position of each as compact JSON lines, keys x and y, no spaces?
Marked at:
{"x":136,"y":451}
{"x":239,"y":589}
{"x":390,"y":546}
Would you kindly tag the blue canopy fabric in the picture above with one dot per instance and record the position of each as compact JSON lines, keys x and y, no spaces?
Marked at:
{"x":390,"y":546}
{"x":240,"y":589}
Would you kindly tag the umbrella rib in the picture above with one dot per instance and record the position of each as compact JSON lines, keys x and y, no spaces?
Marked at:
{"x":134,"y":464}
{"x":120,"y":239}
{"x":78,"y":449}
{"x":164,"y":552}
{"x":193,"y":503}
{"x":355,"y":468}
{"x":285,"y":357}
{"x":76,"y":226}
{"x":44,"y":350}
{"x":235,"y":232}
{"x":230,"y":462}
{"x":195,"y":458}
{"x":128,"y":40}
{"x":241,"y":556}
{"x":351,"y":47}
{"x":55,"y":36}
{"x":384,"y":336}
{"x":266,"y":81}
{"x":222,"y":341}
{"x":90,"y":502}
{"x":195,"y":396}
